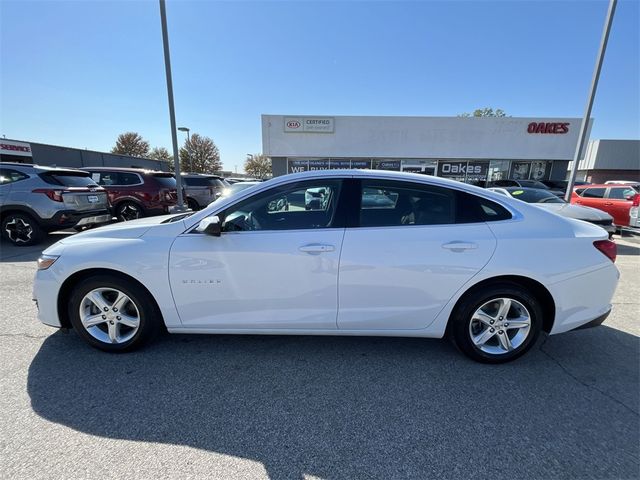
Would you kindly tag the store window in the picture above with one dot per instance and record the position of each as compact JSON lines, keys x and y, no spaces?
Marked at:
{"x":498,"y":170}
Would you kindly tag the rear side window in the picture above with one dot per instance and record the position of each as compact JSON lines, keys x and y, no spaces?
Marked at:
{"x":10,"y":176}
{"x":621,"y":193}
{"x":116,"y":178}
{"x":388,"y":203}
{"x":68,"y":179}
{"x":166,"y":181}
{"x":593,"y":192}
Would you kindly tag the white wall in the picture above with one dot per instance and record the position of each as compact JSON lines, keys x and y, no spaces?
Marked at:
{"x":423,"y":137}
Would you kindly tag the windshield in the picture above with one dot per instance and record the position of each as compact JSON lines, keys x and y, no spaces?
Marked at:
{"x":534,"y":195}
{"x":533,"y":184}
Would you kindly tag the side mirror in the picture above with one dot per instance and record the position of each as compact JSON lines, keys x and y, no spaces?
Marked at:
{"x":210,"y":226}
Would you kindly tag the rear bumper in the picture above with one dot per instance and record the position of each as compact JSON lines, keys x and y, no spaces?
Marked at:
{"x":596,"y":322}
{"x":584,"y":299}
{"x":73,"y":218}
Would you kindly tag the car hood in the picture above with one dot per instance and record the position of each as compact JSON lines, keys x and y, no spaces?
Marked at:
{"x":130,"y":229}
{"x":575,"y":211}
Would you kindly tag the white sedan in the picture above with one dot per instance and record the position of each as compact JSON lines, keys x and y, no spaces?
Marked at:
{"x":384,"y":253}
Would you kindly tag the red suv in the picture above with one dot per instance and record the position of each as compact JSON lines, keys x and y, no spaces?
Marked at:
{"x":134,"y":192}
{"x":618,"y":200}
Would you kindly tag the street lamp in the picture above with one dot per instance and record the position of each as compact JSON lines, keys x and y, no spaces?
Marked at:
{"x":185,"y":129}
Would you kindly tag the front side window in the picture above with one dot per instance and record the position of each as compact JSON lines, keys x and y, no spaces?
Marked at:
{"x":621,"y":193}
{"x":388,"y":203}
{"x":303,"y":205}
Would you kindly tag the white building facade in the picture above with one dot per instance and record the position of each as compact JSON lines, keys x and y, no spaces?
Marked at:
{"x":470,"y":149}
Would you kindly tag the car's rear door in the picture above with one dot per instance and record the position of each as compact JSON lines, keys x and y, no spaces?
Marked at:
{"x":592,"y":197}
{"x":414,"y":246}
{"x":275,"y":265}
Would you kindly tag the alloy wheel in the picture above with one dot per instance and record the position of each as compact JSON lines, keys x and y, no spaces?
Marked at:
{"x":129,"y":212}
{"x":500,"y":326}
{"x":18,"y":230}
{"x":109,"y":315}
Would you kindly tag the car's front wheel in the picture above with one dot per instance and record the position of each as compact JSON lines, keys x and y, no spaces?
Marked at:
{"x":497,"y":324}
{"x":114,"y":314}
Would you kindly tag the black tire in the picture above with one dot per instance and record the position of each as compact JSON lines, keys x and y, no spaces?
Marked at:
{"x":461,"y":319}
{"x":21,"y":229}
{"x":126,"y":211}
{"x":192,"y":204}
{"x":150,"y":318}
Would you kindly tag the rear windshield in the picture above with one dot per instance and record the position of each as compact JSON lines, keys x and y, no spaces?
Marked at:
{"x":535,"y":195}
{"x":533,"y":184}
{"x":69,"y":179}
{"x":165,"y":180}
{"x":203,"y":182}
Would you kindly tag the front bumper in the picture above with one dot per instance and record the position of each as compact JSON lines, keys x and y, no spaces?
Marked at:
{"x":45,"y":294}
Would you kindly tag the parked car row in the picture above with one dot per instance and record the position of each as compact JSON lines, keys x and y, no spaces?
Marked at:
{"x":619,"y":200}
{"x":35,"y":200}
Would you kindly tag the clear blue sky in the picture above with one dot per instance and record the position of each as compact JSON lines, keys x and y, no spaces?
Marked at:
{"x":80,"y":73}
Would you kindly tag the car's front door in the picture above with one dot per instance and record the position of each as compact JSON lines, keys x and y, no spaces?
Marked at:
{"x":416,"y":245}
{"x":619,"y":203}
{"x":275,"y":265}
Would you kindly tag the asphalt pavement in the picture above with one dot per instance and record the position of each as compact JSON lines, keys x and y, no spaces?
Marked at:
{"x":315,"y":407}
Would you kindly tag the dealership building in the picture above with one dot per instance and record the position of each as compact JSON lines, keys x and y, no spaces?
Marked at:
{"x":53,"y":155}
{"x":470,"y":149}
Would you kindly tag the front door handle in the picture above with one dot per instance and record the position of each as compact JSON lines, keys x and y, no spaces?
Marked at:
{"x":459,"y":246}
{"x":317,"y":248}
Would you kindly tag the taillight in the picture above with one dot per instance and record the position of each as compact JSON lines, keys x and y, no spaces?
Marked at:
{"x":635,"y":201}
{"x":55,"y":195}
{"x":607,"y":247}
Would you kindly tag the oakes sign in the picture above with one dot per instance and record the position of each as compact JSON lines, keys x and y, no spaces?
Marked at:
{"x":309,"y":124}
{"x":462,"y":169}
{"x":546,"y":127}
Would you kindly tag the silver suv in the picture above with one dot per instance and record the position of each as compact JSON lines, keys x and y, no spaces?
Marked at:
{"x":202,"y":189}
{"x":35,"y":200}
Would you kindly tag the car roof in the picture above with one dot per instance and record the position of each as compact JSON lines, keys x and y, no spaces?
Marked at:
{"x":199,"y":175}
{"x":43,"y":168}
{"x":607,"y":185}
{"x":124,"y":169}
{"x":528,"y":189}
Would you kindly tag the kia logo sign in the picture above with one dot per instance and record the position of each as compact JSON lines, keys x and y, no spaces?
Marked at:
{"x":542,"y":127}
{"x":293,"y":124}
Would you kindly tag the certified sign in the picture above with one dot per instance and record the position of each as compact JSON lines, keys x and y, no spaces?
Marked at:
{"x":309,"y":124}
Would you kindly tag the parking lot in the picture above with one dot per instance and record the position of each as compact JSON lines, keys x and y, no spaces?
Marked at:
{"x":315,"y":407}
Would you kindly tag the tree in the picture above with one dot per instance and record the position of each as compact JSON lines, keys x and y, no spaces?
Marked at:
{"x":258,"y":165}
{"x":161,"y":153}
{"x":131,"y":143}
{"x":485,"y":112}
{"x":200,"y":155}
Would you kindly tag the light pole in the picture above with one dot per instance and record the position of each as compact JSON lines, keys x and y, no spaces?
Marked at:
{"x":172,"y":113}
{"x":582,"y":137}
{"x":185,"y":129}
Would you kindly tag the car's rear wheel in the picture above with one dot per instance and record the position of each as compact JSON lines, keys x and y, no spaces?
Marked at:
{"x":113,"y":314}
{"x":129,"y":211}
{"x":21,"y":229}
{"x":497,"y":324}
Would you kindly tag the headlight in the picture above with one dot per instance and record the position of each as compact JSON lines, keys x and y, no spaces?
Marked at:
{"x":45,"y":261}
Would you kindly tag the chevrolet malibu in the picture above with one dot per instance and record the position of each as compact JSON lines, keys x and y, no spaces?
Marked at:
{"x":378,"y":253}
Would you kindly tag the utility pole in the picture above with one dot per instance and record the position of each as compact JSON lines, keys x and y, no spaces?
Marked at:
{"x":582,"y":137}
{"x":172,"y":114}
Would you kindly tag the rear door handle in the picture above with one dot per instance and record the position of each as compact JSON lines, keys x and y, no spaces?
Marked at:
{"x":317,"y":248}
{"x":459,"y":246}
